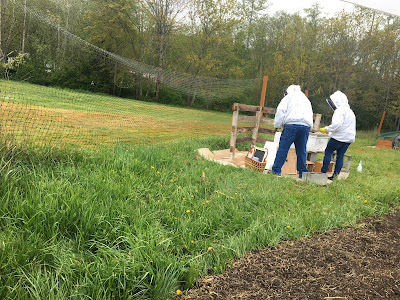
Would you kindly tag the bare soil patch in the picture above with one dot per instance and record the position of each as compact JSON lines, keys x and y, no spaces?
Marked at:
{"x":361,"y":262}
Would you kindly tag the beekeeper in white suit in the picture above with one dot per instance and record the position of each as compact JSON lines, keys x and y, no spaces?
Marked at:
{"x":294,"y":114}
{"x":342,"y":131}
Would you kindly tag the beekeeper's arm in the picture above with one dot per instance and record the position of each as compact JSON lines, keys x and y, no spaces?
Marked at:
{"x":281,"y":112}
{"x":337,"y":121}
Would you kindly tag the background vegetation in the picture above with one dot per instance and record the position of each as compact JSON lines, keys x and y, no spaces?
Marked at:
{"x":355,"y":52}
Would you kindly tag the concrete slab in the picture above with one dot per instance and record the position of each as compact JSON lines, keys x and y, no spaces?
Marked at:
{"x":319,"y":178}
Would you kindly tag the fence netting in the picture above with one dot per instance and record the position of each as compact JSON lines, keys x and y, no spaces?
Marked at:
{"x":33,"y":113}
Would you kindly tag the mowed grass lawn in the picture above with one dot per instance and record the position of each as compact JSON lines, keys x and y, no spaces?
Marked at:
{"x":47,"y":114}
{"x":141,"y":222}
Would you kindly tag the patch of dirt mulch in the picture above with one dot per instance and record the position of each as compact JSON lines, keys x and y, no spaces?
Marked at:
{"x":348,"y":263}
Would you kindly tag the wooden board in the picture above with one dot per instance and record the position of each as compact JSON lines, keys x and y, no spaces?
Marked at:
{"x":318,"y":166}
{"x":290,"y":166}
{"x":310,"y":166}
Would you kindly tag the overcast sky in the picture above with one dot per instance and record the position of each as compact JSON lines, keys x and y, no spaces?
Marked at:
{"x":291,"y":6}
{"x":330,"y":7}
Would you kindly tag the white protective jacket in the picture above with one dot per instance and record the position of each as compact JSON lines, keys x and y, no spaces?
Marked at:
{"x":294,"y":108}
{"x":343,"y":127}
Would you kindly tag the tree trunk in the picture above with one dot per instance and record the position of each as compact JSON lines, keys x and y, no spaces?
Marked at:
{"x":189,"y":92}
{"x":115,"y":79}
{"x":160,"y":62}
{"x":157,"y":93}
{"x":137,"y":84}
{"x":209,"y":97}
{"x":58,"y":51}
{"x":67,"y":28}
{"x":193,"y":98}
{"x":3,"y":6}
{"x":24,"y":30}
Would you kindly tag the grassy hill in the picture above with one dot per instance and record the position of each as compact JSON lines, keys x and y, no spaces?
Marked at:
{"x":33,"y":113}
{"x":141,"y":222}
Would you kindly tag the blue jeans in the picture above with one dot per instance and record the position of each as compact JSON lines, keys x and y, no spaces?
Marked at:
{"x":297,"y":134}
{"x":341,"y":149}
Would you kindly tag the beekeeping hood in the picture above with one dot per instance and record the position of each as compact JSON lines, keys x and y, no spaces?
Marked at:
{"x":294,"y":108}
{"x":293,"y":88}
{"x":338,"y":99}
{"x":343,"y":126}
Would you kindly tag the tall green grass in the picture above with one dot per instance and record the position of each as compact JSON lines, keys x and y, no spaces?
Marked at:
{"x":138,"y":223}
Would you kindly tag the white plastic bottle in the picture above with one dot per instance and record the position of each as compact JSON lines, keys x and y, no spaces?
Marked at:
{"x":359,"y":168}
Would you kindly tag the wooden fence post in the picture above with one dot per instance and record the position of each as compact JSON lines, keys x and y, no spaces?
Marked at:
{"x":380,"y":124}
{"x":232,"y":143}
{"x":259,"y":113}
{"x":256,"y":126}
{"x":317,"y":122}
{"x":264,"y":91}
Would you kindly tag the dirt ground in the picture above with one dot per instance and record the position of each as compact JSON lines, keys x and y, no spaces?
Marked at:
{"x":348,"y":263}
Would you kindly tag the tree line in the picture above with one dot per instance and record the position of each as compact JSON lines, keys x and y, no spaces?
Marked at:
{"x":356,"y":52}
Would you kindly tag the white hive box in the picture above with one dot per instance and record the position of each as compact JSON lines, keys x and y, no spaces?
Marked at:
{"x":316,"y":141}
